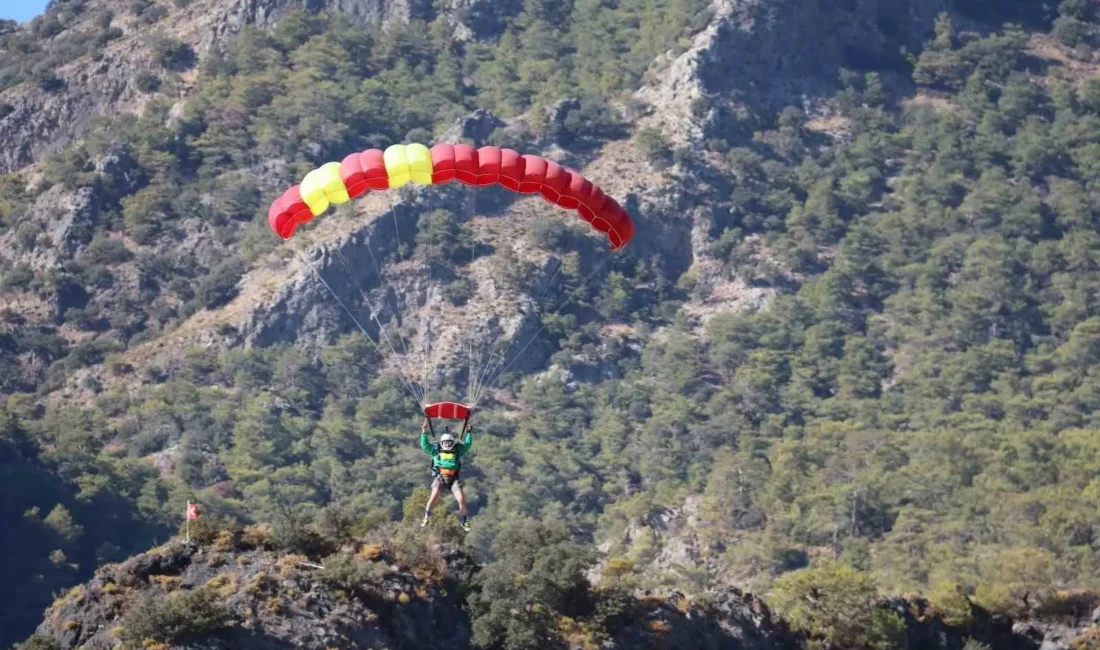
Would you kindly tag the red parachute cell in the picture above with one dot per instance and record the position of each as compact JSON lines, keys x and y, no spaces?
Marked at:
{"x":466,"y":164}
{"x":488,"y":166}
{"x":375,"y":169}
{"x":443,"y":163}
{"x":557,"y":178}
{"x":353,"y":175}
{"x":592,"y":204}
{"x":364,"y":171}
{"x":576,"y":191}
{"x":534,"y":174}
{"x":511,"y":169}
{"x":287,"y":212}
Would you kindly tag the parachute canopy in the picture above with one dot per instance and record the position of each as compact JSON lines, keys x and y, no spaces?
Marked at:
{"x":400,"y":164}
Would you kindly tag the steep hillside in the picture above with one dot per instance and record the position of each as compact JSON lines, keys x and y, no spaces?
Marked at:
{"x":87,"y":60}
{"x":852,"y":350}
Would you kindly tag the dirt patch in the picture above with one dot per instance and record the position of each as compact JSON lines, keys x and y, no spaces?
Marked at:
{"x":1062,"y":65}
{"x":836,"y":126}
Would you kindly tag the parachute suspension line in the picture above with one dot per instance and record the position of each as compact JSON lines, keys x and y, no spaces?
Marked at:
{"x":427,"y":365}
{"x":350,"y":270}
{"x":400,"y":244}
{"x":471,"y":384}
{"x":479,"y":369}
{"x":542,"y":292}
{"x":553,"y":276}
{"x":496,"y":374}
{"x":377,"y":268}
{"x":377,"y":347}
{"x":409,"y":386}
{"x":482,"y":375}
{"x":489,"y":363}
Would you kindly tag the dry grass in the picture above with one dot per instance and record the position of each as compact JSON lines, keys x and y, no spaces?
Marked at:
{"x":223,"y":585}
{"x":658,"y":626}
{"x":1087,"y":640}
{"x":933,"y":101}
{"x":577,"y":634}
{"x":168,"y":583}
{"x":370,"y":551}
{"x":831,"y":125}
{"x":224,"y":542}
{"x":1062,"y":65}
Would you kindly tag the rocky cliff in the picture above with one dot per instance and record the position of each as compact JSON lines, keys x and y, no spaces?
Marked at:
{"x":43,"y":118}
{"x":232,"y":593}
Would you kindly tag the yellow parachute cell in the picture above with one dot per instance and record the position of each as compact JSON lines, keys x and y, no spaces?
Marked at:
{"x":322,"y":187}
{"x":408,"y":162}
{"x":420,"y":163}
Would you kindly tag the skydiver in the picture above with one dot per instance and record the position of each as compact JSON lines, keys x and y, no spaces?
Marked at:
{"x":446,"y":464}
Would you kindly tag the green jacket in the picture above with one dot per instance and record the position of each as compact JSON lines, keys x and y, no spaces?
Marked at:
{"x":446,"y":459}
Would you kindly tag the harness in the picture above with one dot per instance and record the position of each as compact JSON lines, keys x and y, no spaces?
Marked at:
{"x":445,"y":472}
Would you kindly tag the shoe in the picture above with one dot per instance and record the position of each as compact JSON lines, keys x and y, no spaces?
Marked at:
{"x":424,"y":523}
{"x":466,"y":525}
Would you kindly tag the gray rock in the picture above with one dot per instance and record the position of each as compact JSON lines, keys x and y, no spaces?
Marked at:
{"x":475,"y":127}
{"x":480,"y":19}
{"x":44,"y":122}
{"x":759,"y":55}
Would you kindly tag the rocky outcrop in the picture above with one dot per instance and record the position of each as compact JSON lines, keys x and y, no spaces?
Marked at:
{"x":366,"y":596}
{"x":41,"y":121}
{"x":44,"y":121}
{"x":763,"y":55}
{"x":475,"y":127}
{"x":264,"y":601}
{"x":230,"y":18}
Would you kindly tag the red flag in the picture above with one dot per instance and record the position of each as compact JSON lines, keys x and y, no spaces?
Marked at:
{"x":192,"y":510}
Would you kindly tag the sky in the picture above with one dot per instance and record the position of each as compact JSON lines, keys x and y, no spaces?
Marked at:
{"x":21,"y":10}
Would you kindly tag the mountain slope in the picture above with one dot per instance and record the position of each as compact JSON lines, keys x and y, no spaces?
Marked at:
{"x":858,"y":322}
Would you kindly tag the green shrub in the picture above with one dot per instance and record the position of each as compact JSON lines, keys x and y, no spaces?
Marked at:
{"x":48,"y":81}
{"x":107,"y":35}
{"x":654,"y":146}
{"x":350,"y":572}
{"x":152,"y":14}
{"x":837,"y":605}
{"x":951,"y":603}
{"x":459,"y":291}
{"x":106,"y":250}
{"x":147,"y":83}
{"x":19,"y":277}
{"x":171,"y":618}
{"x":38,"y":643}
{"x":219,"y":286}
{"x":171,"y":53}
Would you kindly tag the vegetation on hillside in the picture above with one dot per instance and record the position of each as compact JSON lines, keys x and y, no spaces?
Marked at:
{"x":917,"y":404}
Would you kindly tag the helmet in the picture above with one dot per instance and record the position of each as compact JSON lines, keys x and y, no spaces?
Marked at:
{"x":447,"y":441}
